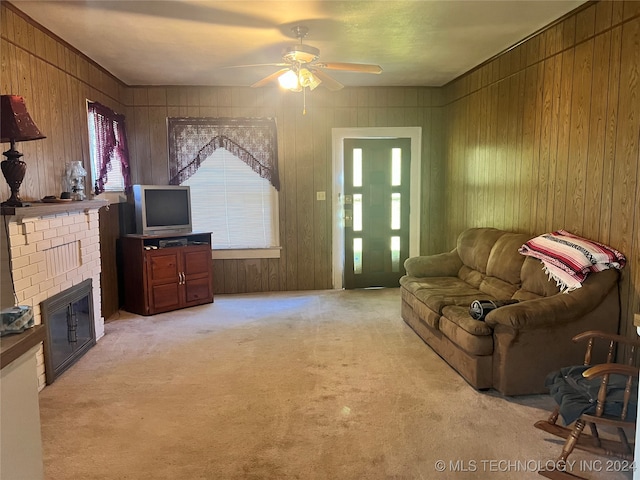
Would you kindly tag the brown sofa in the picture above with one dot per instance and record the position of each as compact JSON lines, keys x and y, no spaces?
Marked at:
{"x":518,"y":345}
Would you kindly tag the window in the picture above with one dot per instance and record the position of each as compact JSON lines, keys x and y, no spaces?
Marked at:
{"x":108,"y":149}
{"x":229,"y":199}
{"x":231,"y":166}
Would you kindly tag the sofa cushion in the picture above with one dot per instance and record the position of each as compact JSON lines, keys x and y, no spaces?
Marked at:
{"x":535,"y":282}
{"x":461,"y":317}
{"x":480,"y":345}
{"x":474,"y":246}
{"x":470,"y":276}
{"x":505,"y":262}
{"x":452,"y":284}
{"x":498,"y":288}
{"x":427,"y":316}
{"x":437,"y":299}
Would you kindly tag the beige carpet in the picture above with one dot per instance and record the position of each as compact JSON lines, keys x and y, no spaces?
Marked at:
{"x":315,"y":385}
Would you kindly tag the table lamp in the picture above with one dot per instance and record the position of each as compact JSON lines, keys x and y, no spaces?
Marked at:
{"x":16,"y":125}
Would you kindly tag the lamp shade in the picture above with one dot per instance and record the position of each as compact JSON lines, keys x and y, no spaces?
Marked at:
{"x":16,"y":124}
{"x":290,"y":81}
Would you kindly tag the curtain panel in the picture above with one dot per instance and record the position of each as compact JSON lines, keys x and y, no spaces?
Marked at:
{"x":252,"y":140}
{"x":110,"y":141}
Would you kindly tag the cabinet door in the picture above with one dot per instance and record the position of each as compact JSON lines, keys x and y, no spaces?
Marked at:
{"x":163,"y":280}
{"x":197,"y":270}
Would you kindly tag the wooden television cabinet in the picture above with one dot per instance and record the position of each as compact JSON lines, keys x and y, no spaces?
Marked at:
{"x":166,"y":272}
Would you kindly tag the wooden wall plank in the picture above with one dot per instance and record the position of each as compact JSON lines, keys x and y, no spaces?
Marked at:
{"x":141,"y":152}
{"x":230,"y":276}
{"x":562,"y":157}
{"x":585,"y":23}
{"x":579,"y":129}
{"x":289,"y":236}
{"x":603,"y":16}
{"x":595,"y":167}
{"x":555,"y":120}
{"x":611,"y":128}
{"x":528,"y":136}
{"x":545,"y":183}
{"x":109,"y":226}
{"x":492,"y":179}
{"x":436,"y":242}
{"x":321,"y":231}
{"x":538,"y":174}
{"x":158,"y":152}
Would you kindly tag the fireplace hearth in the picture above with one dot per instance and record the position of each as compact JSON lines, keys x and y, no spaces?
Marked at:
{"x":68,"y":318}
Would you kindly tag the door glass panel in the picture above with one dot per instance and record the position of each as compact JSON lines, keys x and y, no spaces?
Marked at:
{"x":395,"y":211}
{"x":357,"y":167}
{"x":395,"y":254}
{"x":357,"y":255}
{"x":396,"y":169}
{"x":357,"y":212}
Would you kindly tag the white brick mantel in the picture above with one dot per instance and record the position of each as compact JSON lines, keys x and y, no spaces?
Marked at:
{"x":53,"y":247}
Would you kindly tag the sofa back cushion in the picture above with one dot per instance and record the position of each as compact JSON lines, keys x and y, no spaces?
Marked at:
{"x":535,"y":282}
{"x":505,"y":262}
{"x":474,"y":247}
{"x":471,"y":276}
{"x":504,"y":266}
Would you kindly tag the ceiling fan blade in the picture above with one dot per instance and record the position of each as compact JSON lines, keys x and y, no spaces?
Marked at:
{"x":269,"y":78}
{"x":327,"y":81}
{"x":350,"y":67}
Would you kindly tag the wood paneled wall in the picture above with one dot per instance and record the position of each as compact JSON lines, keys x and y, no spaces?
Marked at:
{"x":305,"y":163}
{"x":546,"y":136}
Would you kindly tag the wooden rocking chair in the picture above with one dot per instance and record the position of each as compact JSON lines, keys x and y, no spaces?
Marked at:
{"x":625,"y":375}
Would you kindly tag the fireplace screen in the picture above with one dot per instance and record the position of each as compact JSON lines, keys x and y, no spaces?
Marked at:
{"x":68,"y":317}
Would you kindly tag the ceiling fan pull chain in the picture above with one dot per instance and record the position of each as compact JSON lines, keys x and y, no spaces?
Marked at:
{"x":304,"y":101}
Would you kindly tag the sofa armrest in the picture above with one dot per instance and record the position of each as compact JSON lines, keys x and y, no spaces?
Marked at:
{"x":559,"y":308}
{"x":440,"y":265}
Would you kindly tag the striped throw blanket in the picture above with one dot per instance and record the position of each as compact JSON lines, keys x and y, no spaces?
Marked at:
{"x":568,"y":258}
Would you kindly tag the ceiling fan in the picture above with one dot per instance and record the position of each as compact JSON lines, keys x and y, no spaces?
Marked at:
{"x":303,"y":69}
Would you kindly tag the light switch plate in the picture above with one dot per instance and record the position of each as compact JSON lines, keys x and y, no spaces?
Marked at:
{"x":321,"y":196}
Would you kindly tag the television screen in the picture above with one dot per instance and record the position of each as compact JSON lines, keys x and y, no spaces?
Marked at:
{"x":162,"y":209}
{"x":167,"y":207}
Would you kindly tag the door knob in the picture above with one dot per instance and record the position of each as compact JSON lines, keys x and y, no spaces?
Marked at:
{"x":348,"y":220}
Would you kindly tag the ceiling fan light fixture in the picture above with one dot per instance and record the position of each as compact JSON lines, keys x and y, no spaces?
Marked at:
{"x":289,"y":81}
{"x":308,"y":79}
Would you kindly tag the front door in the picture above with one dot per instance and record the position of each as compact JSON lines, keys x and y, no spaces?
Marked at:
{"x":376,"y":211}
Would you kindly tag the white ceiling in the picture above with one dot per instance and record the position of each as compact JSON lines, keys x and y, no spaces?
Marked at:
{"x":186,"y":42}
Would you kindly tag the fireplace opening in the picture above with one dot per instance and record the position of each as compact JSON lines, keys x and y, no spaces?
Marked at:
{"x":69,"y":321}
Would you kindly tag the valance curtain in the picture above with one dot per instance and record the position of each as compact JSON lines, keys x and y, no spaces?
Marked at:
{"x":111,"y":142}
{"x":193,"y":140}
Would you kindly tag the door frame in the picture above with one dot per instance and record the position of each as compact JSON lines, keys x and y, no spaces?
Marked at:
{"x":337,"y":138}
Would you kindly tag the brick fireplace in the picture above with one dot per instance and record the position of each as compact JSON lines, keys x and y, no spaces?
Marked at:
{"x":53,"y":248}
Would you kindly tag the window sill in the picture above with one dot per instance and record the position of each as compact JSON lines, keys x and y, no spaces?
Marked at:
{"x":246,"y":253}
{"x":112,"y":197}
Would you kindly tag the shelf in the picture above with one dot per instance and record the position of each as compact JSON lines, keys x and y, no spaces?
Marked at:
{"x":15,"y":345}
{"x":41,"y":209}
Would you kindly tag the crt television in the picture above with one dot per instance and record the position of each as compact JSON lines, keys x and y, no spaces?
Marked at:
{"x":162,"y":209}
